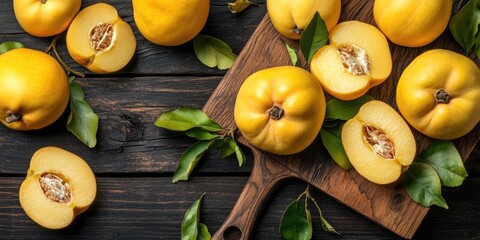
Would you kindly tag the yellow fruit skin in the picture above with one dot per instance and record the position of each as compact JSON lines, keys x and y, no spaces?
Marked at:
{"x":424,"y":76}
{"x":412,"y":23}
{"x":294,"y":90}
{"x":287,"y":15}
{"x":74,"y":170}
{"x":45,"y":19}
{"x":170,"y":23}
{"x":34,"y":85}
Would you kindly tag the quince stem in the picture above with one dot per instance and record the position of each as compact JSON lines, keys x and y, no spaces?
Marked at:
{"x":53,"y":46}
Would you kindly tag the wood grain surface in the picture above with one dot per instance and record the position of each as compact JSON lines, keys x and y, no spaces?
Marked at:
{"x":134,"y":160}
{"x":387,"y":205}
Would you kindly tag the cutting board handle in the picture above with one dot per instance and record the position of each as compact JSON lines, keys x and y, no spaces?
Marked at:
{"x":265,"y":177}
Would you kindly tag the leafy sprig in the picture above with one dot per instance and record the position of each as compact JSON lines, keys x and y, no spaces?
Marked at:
{"x":464,"y":26}
{"x":296,"y":223}
{"x":192,"y":228}
{"x":438,"y":165}
{"x":210,"y":135}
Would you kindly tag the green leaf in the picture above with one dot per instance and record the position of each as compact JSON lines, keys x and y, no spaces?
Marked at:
{"x":331,"y":123}
{"x":190,"y":223}
{"x":239,"y":5}
{"x":294,"y":224}
{"x":293,"y":54}
{"x":190,"y":158}
{"x":82,"y":121}
{"x":345,"y":110}
{"x":326,"y":226}
{"x":423,"y":185}
{"x":9,"y":45}
{"x":240,"y":155}
{"x":332,"y":140}
{"x":201,"y":134}
{"x":313,"y":37}
{"x":464,"y":24}
{"x":447,"y":162}
{"x":184,"y":118}
{"x":203,"y":233}
{"x":213,"y":52}
{"x":227,"y":148}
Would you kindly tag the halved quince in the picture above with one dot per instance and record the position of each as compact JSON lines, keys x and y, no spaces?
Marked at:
{"x":378,"y":142}
{"x":356,"y":59}
{"x":59,"y":186}
{"x":100,"y":40}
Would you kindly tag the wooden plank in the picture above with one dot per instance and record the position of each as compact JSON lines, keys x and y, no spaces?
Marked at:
{"x":149,"y":58}
{"x":128,"y":141}
{"x":152,"y":208}
{"x":387,"y":205}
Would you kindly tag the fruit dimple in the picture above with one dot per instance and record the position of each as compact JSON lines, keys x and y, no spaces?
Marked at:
{"x":102,"y":37}
{"x":55,"y":188}
{"x":354,"y":59}
{"x":380,"y":142}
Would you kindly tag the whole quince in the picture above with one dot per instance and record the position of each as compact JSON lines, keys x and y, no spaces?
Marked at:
{"x":45,"y":18}
{"x":280,"y":110}
{"x":34,"y":89}
{"x":290,"y":18}
{"x":170,"y":23}
{"x":438,"y":93}
{"x":412,"y":23}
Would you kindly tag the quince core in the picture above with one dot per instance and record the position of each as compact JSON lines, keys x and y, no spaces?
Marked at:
{"x":59,"y":186}
{"x":378,"y":142}
{"x":357,"y":58}
{"x":100,"y":40}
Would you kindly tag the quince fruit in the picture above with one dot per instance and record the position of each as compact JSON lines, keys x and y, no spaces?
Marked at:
{"x":34,"y":89}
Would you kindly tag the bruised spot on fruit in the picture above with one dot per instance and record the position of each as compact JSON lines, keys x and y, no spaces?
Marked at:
{"x":441,"y":96}
{"x":275,"y":112}
{"x":102,"y":37}
{"x":380,"y":142}
{"x":354,"y":59}
{"x":55,"y":188}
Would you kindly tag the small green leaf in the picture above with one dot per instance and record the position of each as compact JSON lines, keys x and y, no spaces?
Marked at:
{"x":9,"y":45}
{"x":294,"y":224}
{"x":190,"y":223}
{"x":184,"y":118}
{"x":240,"y":155}
{"x":82,"y":121}
{"x":331,"y":123}
{"x":190,"y":158}
{"x":239,"y":5}
{"x":227,"y":148}
{"x":213,"y":52}
{"x":203,"y":233}
{"x":464,"y":24}
{"x":446,"y":160}
{"x":423,"y":185}
{"x":345,"y":110}
{"x":332,"y":140}
{"x":293,"y":54}
{"x":201,"y":134}
{"x":313,"y":37}
{"x":326,"y":226}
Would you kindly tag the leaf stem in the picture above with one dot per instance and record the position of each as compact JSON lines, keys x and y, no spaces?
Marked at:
{"x":53,"y":46}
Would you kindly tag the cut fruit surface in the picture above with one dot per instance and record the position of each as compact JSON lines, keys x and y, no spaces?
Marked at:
{"x":100,"y":40}
{"x":59,"y":186}
{"x":357,"y":58}
{"x":378,"y":142}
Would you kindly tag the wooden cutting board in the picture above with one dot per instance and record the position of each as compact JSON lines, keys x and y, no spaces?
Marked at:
{"x":389,"y":206}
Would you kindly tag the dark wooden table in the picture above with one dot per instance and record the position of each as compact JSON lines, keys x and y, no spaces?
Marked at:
{"x":134,"y":161}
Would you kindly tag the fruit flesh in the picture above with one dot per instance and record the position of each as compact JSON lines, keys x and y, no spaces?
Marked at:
{"x":79,"y":39}
{"x":76,"y":174}
{"x":385,"y":167}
